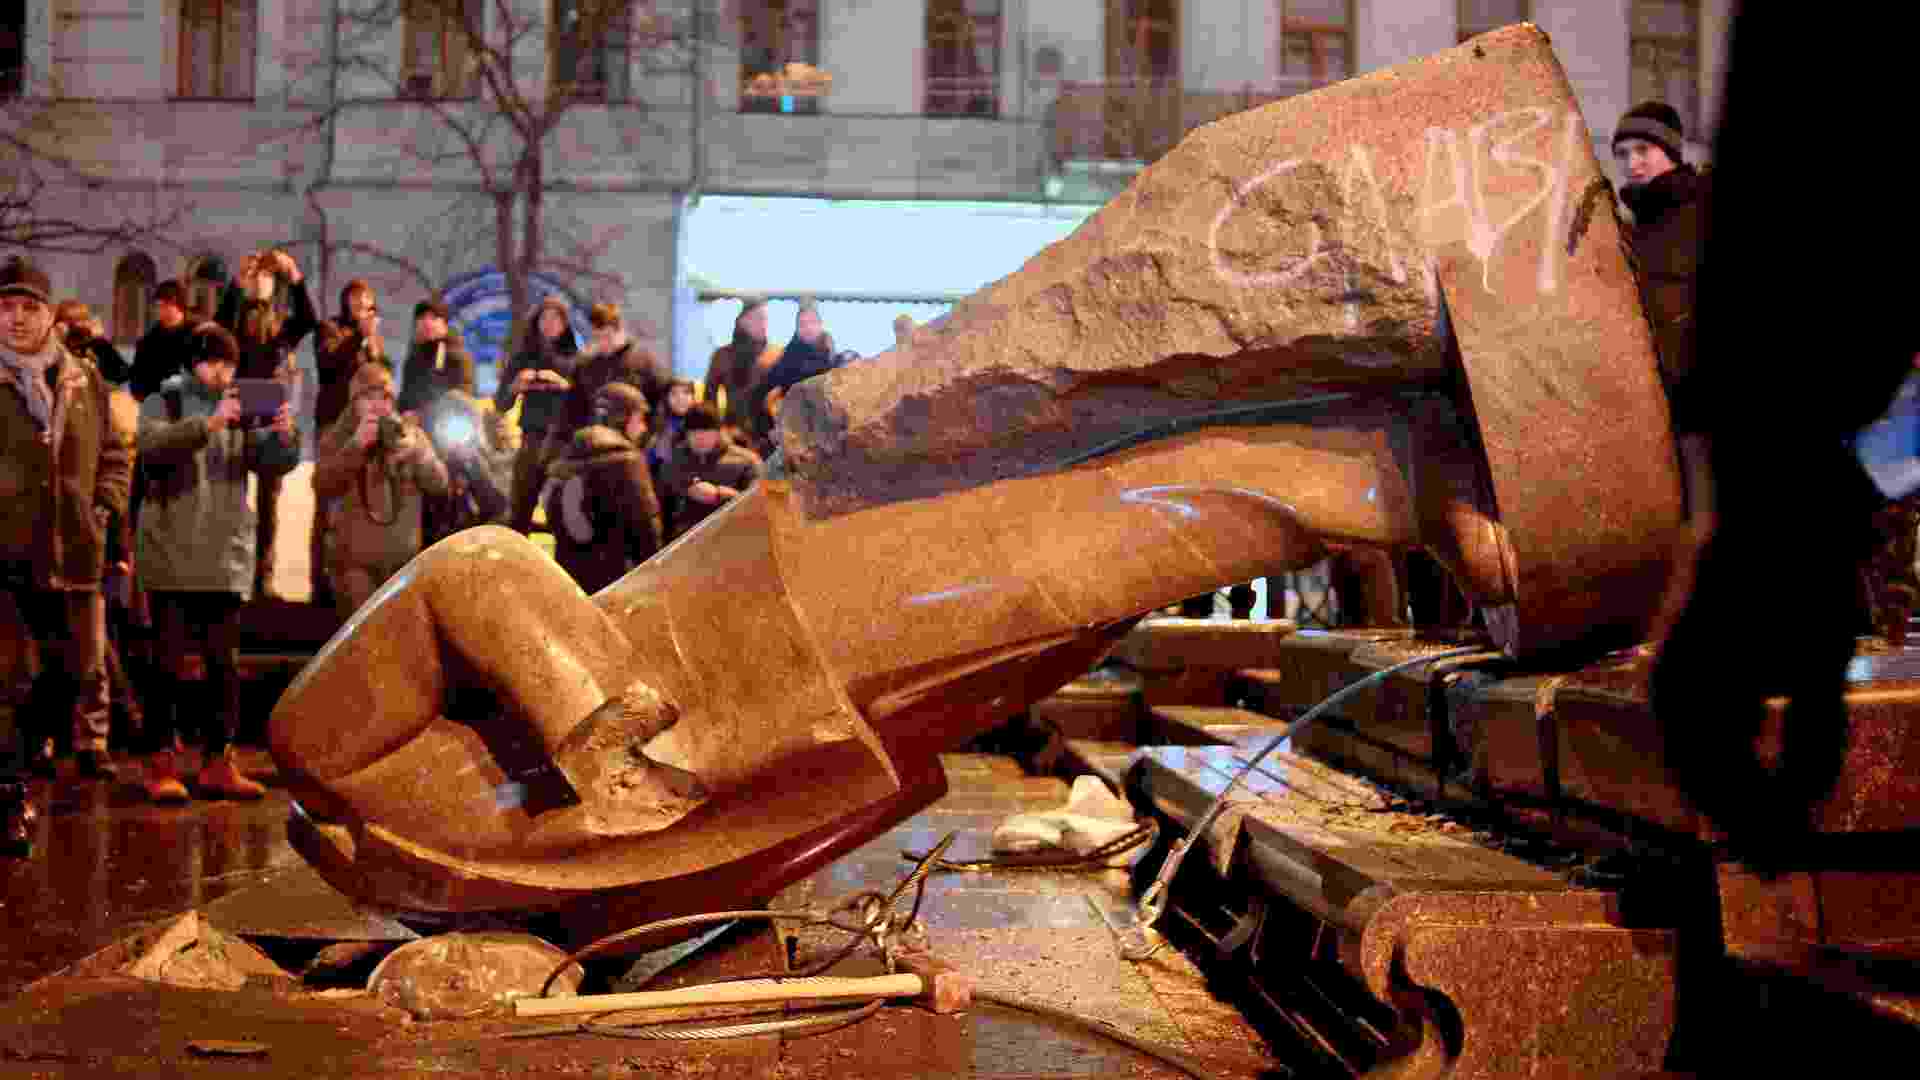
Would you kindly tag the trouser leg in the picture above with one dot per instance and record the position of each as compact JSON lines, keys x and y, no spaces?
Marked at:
{"x":529,"y":472}
{"x":18,"y":732}
{"x":86,"y":665}
{"x":266,"y":530}
{"x":322,"y":589}
{"x":220,"y":635}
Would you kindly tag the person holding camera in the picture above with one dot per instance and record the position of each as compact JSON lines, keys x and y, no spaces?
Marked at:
{"x":267,"y":342}
{"x":342,"y":346}
{"x":538,"y":376}
{"x":194,"y":547}
{"x":378,"y":468}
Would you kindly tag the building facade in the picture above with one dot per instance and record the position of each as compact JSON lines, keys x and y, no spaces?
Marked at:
{"x":364,"y":135}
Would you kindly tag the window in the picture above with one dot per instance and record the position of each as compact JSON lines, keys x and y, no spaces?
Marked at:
{"x":1479,"y":16}
{"x":206,"y":276}
{"x":437,"y":55}
{"x":963,"y":58}
{"x":1665,"y":39}
{"x":593,"y":49}
{"x":780,"y":57}
{"x":1143,"y":40}
{"x":216,"y":49}
{"x":13,"y":48}
{"x":134,"y":277}
{"x":1316,"y":42}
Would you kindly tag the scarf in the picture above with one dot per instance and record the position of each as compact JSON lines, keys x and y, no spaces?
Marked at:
{"x":31,"y":372}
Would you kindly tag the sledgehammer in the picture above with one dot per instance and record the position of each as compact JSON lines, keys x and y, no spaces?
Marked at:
{"x":938,"y":985}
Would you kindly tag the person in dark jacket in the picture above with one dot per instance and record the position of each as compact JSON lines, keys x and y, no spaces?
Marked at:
{"x":707,"y":470}
{"x":161,"y":352}
{"x":196,"y":557}
{"x":84,"y":336}
{"x":599,"y":498}
{"x":63,"y":478}
{"x":810,"y":353}
{"x":341,"y":348}
{"x":1669,"y":199}
{"x":267,"y":342}
{"x":538,"y":376}
{"x":437,"y":361}
{"x":736,"y":366}
{"x":611,"y":357}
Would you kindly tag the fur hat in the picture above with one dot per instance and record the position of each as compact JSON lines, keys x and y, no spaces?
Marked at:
{"x":617,"y":402}
{"x":1657,"y":122}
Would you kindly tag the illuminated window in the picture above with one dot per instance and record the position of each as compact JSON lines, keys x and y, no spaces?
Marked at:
{"x":134,"y":277}
{"x":216,"y":49}
{"x":963,"y":58}
{"x":780,"y":57}
{"x":593,"y":48}
{"x":437,"y":54}
{"x":1479,"y":16}
{"x":1665,"y":40}
{"x":1316,"y":42}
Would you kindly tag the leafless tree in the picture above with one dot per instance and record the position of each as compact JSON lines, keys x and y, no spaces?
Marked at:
{"x":53,"y":202}
{"x":491,"y":86}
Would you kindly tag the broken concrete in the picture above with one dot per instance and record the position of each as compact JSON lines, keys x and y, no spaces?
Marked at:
{"x":451,"y":976}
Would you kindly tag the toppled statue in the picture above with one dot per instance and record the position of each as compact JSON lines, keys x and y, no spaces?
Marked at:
{"x":1243,"y":358}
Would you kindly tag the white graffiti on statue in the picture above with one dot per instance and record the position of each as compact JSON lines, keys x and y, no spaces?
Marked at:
{"x":1467,"y":195}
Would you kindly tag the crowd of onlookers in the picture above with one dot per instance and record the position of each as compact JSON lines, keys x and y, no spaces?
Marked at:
{"x":142,"y":493}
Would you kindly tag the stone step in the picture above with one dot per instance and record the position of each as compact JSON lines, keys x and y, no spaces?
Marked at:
{"x":1106,"y":759}
{"x":1193,"y":661}
{"x":1103,"y":704}
{"x":1206,"y":725}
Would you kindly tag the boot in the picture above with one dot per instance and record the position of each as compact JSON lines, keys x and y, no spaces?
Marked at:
{"x":220,"y":778}
{"x":17,"y":818}
{"x":163,"y":779}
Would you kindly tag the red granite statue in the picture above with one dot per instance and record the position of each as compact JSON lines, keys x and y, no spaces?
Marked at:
{"x":1243,"y":358}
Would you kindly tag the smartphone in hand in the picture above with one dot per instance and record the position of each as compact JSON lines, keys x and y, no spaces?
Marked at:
{"x":260,"y":400}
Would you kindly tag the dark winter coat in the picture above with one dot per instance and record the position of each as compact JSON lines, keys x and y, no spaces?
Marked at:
{"x":728,"y":466}
{"x":273,"y":358}
{"x":338,"y":352}
{"x":61,"y":484}
{"x":159,"y":355}
{"x":433,"y":368}
{"x":601,"y":508}
{"x":732,"y":371}
{"x":196,"y":530}
{"x":541,"y":408}
{"x":1669,"y":215}
{"x":631,"y":363}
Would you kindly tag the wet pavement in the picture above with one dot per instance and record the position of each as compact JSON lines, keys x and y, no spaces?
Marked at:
{"x":109,"y":866}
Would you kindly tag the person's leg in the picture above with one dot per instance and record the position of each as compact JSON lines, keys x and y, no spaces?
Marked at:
{"x":322,"y":588}
{"x":159,"y":737}
{"x":529,"y":472}
{"x":18,"y":814}
{"x":266,"y":531}
{"x":86,"y":664}
{"x":219,"y":624}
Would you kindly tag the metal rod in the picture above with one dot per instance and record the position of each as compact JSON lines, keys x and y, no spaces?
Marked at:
{"x":824,"y":988}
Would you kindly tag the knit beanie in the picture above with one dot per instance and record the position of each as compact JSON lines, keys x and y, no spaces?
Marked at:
{"x":1658,"y":123}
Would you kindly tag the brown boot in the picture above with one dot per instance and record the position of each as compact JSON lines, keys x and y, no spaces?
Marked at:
{"x":220,"y":778}
{"x":163,"y":779}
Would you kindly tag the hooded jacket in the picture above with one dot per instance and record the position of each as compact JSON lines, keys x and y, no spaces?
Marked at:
{"x":601,"y":507}
{"x":730,"y":465}
{"x":61,"y":482}
{"x":1669,"y":215}
{"x":632,"y":363}
{"x":159,"y":355}
{"x":196,"y":529}
{"x":732,"y":371}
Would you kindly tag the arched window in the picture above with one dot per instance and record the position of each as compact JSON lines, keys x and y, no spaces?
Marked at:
{"x":206,"y":275}
{"x":134,"y":277}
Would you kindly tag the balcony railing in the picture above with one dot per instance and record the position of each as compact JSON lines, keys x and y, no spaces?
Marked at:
{"x":1141,"y":119}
